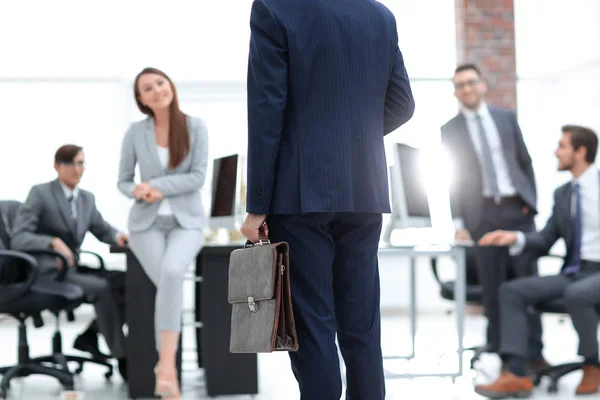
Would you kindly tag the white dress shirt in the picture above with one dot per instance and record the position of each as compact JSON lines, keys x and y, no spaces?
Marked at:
{"x":505,"y":184}
{"x":75,"y":193}
{"x":68,"y":193}
{"x":163,"y":156}
{"x":589,"y":192}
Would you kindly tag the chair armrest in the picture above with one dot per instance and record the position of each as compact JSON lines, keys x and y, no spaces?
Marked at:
{"x":62,"y":272}
{"x":101,"y":266}
{"x":20,"y":288}
{"x":434,"y":269}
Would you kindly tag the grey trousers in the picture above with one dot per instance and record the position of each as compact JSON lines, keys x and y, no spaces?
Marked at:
{"x":165,"y":251}
{"x":581,"y":294}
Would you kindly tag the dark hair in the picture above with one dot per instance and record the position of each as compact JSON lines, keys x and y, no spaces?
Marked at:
{"x":66,"y":154}
{"x":467,"y":67}
{"x":581,"y":136}
{"x":179,"y":137}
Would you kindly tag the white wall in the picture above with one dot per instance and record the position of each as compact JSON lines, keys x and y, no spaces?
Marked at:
{"x":66,"y":76}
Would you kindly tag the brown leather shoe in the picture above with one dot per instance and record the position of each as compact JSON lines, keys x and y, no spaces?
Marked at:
{"x":590,"y":381}
{"x":506,"y":386}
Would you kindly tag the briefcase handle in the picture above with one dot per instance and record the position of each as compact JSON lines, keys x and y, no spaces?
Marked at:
{"x":262,"y":239}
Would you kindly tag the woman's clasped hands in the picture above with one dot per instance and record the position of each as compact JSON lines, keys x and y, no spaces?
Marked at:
{"x":144,"y":192}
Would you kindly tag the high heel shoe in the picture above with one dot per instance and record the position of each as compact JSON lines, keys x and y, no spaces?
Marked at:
{"x":165,"y":388}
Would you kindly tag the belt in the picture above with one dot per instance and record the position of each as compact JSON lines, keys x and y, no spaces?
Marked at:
{"x":502,"y":199}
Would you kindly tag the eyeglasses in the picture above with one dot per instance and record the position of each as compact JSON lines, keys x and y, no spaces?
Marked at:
{"x":80,"y":164}
{"x":462,"y":85}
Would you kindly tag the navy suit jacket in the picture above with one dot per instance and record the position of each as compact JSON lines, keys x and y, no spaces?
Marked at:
{"x":326,"y":82}
{"x":558,"y":225}
{"x":466,"y":192}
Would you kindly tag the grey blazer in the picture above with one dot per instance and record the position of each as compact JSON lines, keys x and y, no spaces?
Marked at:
{"x":466,"y":198}
{"x":45,"y":215}
{"x":180,"y":185}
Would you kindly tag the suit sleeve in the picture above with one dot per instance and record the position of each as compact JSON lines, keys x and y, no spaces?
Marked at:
{"x":267,"y":99}
{"x":399,"y":101}
{"x":100,"y":228}
{"x":176,"y":184}
{"x":541,"y":242}
{"x":25,"y":236}
{"x":127,"y":166}
{"x":523,"y":154}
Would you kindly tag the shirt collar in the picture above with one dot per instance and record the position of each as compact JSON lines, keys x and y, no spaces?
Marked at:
{"x":68,"y":192}
{"x":588,"y":178}
{"x":469,"y":114}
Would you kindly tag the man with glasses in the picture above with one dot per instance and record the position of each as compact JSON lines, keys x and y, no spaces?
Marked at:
{"x":57,"y":215}
{"x":493,"y":188}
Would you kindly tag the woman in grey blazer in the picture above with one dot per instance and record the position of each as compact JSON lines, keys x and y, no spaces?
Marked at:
{"x":166,"y":221}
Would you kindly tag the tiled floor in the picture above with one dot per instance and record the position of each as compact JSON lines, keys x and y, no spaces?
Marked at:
{"x":435,"y":342}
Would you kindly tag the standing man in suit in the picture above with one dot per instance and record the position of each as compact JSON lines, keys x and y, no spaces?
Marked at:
{"x":494,"y":188}
{"x":326,"y":82}
{"x":58,"y":215}
{"x":575,"y":218}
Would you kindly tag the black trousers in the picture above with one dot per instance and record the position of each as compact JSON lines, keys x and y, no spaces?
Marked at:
{"x":496,"y":266}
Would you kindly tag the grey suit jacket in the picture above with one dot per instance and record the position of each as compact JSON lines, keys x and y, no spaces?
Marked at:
{"x":45,"y":216}
{"x":180,"y":185}
{"x":558,"y":225}
{"x":466,"y":192}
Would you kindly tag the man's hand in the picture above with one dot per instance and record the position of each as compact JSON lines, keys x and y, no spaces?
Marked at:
{"x":59,"y":246}
{"x":462,"y":234}
{"x":498,"y":238}
{"x":141,"y":190}
{"x":153,"y":196}
{"x":254,"y":224}
{"x":122,"y":240}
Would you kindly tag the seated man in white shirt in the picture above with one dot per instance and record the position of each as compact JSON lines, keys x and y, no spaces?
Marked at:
{"x":576,"y":218}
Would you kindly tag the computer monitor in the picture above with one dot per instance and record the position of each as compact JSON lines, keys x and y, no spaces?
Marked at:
{"x":227,"y":200}
{"x":410,"y":204}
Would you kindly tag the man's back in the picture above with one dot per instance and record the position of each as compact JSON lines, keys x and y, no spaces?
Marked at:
{"x":341,"y":56}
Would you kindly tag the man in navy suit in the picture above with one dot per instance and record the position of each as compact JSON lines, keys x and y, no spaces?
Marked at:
{"x":326,"y":82}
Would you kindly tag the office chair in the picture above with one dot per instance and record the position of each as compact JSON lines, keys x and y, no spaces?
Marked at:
{"x":555,"y":372}
{"x":21,"y":299}
{"x":8,"y":210}
{"x":474,"y":294}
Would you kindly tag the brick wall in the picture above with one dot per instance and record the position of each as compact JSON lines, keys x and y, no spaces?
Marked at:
{"x":485,"y":35}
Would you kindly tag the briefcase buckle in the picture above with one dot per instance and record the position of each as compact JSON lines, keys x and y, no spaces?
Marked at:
{"x":252,"y":305}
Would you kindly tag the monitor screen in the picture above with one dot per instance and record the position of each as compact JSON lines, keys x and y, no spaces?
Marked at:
{"x":415,"y":192}
{"x":224,"y":186}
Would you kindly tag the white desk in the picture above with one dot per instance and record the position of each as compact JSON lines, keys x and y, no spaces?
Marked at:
{"x":414,"y":252}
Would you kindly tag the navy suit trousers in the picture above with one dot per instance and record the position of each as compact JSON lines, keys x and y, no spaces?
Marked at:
{"x":335,"y":290}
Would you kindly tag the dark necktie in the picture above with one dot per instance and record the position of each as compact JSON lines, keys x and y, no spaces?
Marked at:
{"x":71,"y":201}
{"x":574,"y":264}
{"x":488,"y":164}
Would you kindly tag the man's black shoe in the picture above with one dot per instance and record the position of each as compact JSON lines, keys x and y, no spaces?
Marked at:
{"x":123,"y":368}
{"x":89,"y":344}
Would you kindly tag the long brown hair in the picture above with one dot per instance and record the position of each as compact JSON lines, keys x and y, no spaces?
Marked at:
{"x":179,"y":136}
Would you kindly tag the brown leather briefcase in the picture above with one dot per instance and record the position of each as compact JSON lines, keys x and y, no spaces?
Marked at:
{"x":262,"y":319}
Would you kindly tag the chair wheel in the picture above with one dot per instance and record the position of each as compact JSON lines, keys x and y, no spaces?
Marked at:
{"x":79,"y":370}
{"x":537,"y":380}
{"x":108,"y":374}
{"x":553,"y":388}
